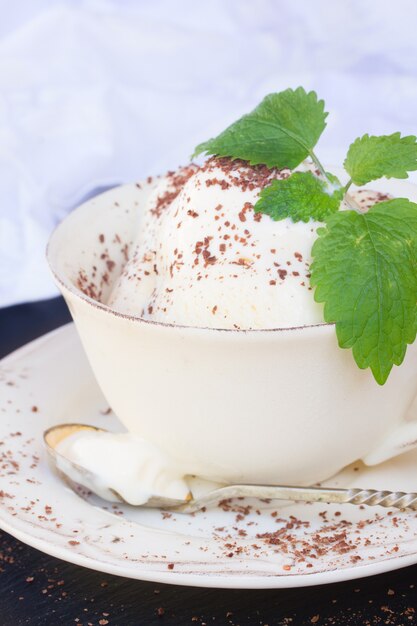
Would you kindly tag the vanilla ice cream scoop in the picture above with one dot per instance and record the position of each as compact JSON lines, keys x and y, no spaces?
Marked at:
{"x":205,"y":258}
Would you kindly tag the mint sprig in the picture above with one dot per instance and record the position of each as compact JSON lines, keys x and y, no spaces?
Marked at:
{"x":372,"y":157}
{"x":281,"y":132}
{"x":364,"y":266}
{"x":365,"y":273}
{"x":302,"y":196}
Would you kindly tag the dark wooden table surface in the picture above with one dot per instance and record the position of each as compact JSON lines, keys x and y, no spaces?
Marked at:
{"x":39,"y":590}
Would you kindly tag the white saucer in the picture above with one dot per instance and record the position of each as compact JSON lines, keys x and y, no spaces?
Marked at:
{"x":251,"y":544}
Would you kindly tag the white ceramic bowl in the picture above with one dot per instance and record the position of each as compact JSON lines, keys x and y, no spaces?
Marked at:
{"x":282,"y":405}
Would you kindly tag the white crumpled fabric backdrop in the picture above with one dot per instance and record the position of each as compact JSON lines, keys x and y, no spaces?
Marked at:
{"x":98,"y":92}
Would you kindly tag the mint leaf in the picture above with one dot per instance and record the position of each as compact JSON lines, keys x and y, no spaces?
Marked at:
{"x":372,"y":157}
{"x":365,"y":271}
{"x":301,"y":197}
{"x":280,"y":132}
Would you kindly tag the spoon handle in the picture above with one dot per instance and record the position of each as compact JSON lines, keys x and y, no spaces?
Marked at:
{"x":369,"y":497}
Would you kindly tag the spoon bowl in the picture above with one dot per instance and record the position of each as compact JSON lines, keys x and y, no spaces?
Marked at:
{"x":76,"y":476}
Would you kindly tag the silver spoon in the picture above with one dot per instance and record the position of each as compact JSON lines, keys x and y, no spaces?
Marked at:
{"x":369,"y":497}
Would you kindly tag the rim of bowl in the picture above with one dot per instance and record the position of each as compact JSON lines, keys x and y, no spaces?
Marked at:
{"x":69,"y":286}
{"x":135,"y":318}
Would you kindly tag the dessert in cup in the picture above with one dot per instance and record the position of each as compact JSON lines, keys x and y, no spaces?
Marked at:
{"x":252,"y":318}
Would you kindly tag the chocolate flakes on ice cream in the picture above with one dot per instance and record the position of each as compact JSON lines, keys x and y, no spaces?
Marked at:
{"x":204,"y":258}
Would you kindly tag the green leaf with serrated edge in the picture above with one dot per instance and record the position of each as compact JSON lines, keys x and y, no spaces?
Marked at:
{"x":280,"y":132}
{"x":333,"y":180}
{"x":373,"y":157}
{"x":365,"y":272}
{"x":301,"y":197}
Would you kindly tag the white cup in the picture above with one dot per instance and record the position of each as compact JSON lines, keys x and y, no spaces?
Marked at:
{"x":281,"y":406}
